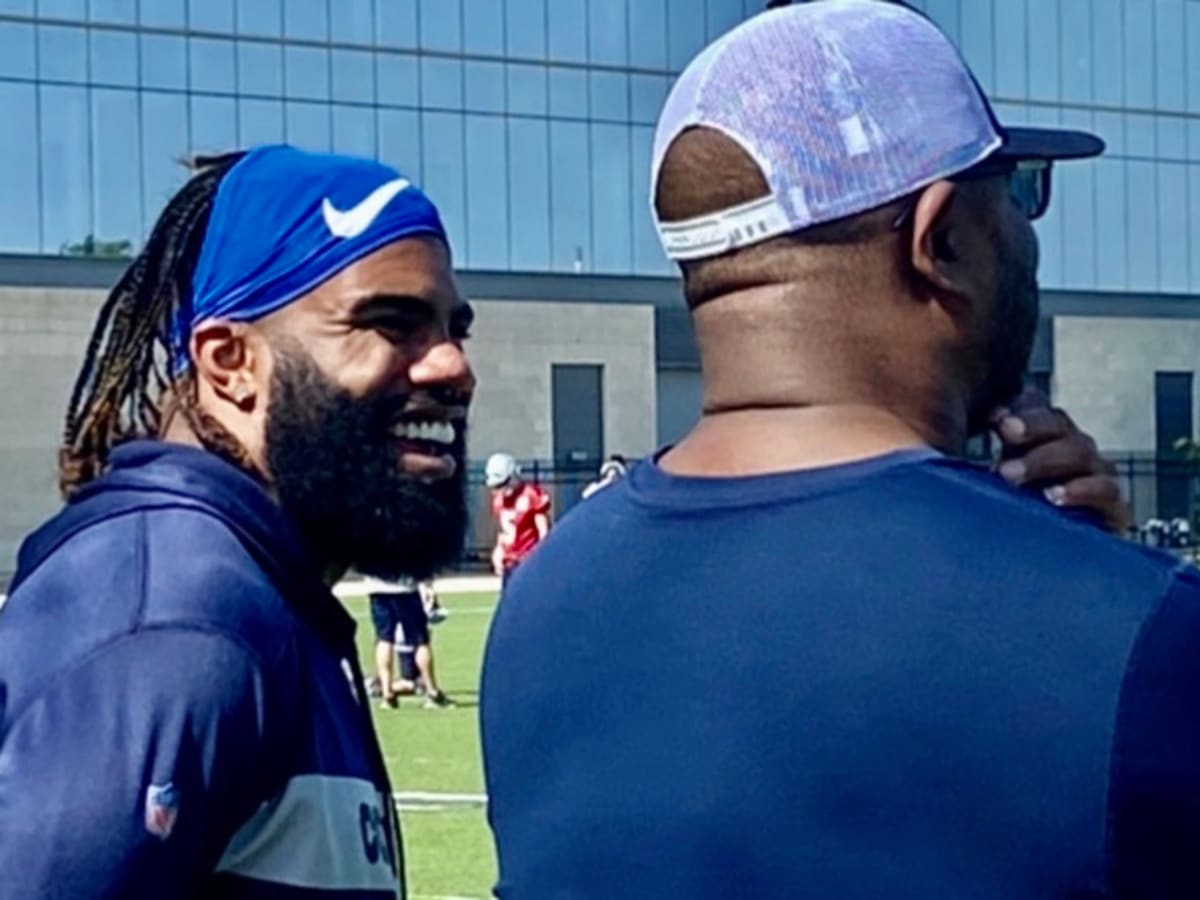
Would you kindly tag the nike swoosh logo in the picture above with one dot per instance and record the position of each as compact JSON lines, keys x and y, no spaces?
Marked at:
{"x":357,"y":219}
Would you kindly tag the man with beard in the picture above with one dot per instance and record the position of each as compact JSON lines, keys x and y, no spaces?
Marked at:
{"x":986,"y":700}
{"x":275,"y":391}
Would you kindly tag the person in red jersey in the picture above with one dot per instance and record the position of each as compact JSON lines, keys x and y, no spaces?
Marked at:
{"x":521,"y":511}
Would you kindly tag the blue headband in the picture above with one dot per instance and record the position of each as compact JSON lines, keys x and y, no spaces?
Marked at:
{"x":285,"y":221}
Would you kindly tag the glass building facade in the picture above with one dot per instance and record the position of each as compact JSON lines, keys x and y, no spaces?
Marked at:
{"x":530,"y":121}
{"x":1130,"y":71}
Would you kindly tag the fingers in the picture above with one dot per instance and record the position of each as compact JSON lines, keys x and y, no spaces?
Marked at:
{"x":1101,"y":493}
{"x":1032,"y":426}
{"x":1058,"y":461}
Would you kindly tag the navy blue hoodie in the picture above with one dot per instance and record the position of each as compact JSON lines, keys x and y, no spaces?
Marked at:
{"x":181,"y":709}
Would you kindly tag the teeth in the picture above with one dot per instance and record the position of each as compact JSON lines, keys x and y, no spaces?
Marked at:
{"x":435,"y":432}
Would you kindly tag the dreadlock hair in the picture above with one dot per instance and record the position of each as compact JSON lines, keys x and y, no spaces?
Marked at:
{"x":132,"y":380}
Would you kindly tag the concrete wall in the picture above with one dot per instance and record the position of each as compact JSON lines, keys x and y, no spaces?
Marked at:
{"x":42,"y":338}
{"x":514,"y":345}
{"x":1104,"y":373}
{"x":43,"y":333}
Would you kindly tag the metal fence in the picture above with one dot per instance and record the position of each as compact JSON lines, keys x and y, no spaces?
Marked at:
{"x":1163,"y":491}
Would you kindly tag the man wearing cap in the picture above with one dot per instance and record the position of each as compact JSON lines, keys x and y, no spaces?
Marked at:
{"x":275,"y":391}
{"x":990,"y":700}
{"x":520,"y":510}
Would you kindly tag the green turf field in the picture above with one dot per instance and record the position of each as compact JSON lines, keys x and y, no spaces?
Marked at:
{"x":448,"y":847}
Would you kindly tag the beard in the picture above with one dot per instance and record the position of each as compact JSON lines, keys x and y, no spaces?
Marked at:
{"x":1010,"y":341}
{"x":336,"y":471}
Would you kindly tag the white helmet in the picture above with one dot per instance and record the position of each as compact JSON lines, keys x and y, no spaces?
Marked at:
{"x":501,"y":469}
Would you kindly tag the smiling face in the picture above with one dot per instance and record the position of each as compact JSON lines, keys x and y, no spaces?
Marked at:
{"x":364,"y":428}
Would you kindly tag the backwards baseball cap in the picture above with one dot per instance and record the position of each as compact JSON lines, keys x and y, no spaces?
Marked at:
{"x":285,"y":221}
{"x":845,"y":105}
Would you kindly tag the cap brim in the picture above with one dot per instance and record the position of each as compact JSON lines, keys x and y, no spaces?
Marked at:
{"x":1049,"y":143}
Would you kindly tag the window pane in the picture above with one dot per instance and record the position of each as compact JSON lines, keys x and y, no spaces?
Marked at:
{"x":568,"y":93}
{"x":442,"y":152}
{"x":649,"y":95}
{"x":441,"y":83}
{"x":610,"y":96}
{"x":1192,"y":21}
{"x":354,"y":131}
{"x":214,"y":124}
{"x":612,"y":217}
{"x":1172,"y":138}
{"x":164,"y":13}
{"x":685,"y":33}
{"x":353,"y":76}
{"x":1075,"y":46}
{"x":260,"y":68}
{"x":19,"y":213}
{"x":483,"y":27}
{"x":526,"y":32}
{"x":1112,"y":224}
{"x":487,"y":198}
{"x":1011,"y":50}
{"x":16,"y":51}
{"x":1171,"y":80}
{"x":307,"y":125}
{"x":164,"y":61}
{"x":567,"y":21}
{"x":1044,"y":52}
{"x":648,"y":34}
{"x":977,"y":35}
{"x":260,"y":122}
{"x":570,"y":197}
{"x":114,"y":58}
{"x":527,"y":89}
{"x":66,"y":178}
{"x":306,"y":71}
{"x":485,"y":86}
{"x":211,"y":65}
{"x":1076,"y":196}
{"x":1139,"y":53}
{"x":305,"y":20}
{"x":1139,"y":135}
{"x":441,"y":25}
{"x":396,"y":23}
{"x":529,"y":165}
{"x":210,"y":15}
{"x":607,"y":32}
{"x":116,"y":166}
{"x":164,"y":143}
{"x":397,"y":79}
{"x":18,"y":7}
{"x":648,"y":256}
{"x":400,"y":141}
{"x":1107,"y":32}
{"x":1173,"y":228}
{"x":723,"y":16}
{"x":1143,"y":227}
{"x":62,"y":53}
{"x":121,"y":12}
{"x":62,"y":9}
{"x":260,"y":17}
{"x":353,"y":22}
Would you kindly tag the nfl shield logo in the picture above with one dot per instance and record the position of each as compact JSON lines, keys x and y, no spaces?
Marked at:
{"x":162,"y":809}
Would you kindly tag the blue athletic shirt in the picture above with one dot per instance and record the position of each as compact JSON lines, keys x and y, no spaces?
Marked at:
{"x":893,"y":679}
{"x":181,"y":710}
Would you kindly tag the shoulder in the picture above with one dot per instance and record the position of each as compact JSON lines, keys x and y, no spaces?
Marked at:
{"x":144,"y":569}
{"x":535,"y":498}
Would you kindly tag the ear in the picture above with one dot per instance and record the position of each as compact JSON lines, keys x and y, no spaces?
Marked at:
{"x":935,"y":253}
{"x":226,"y":358}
